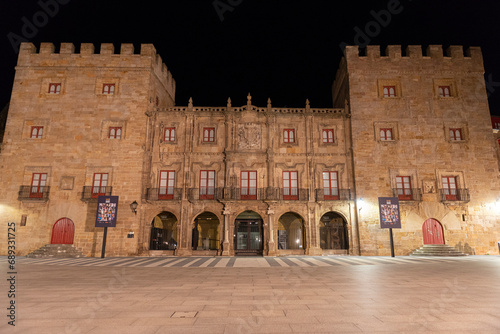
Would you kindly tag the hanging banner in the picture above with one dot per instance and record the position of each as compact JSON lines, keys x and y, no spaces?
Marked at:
{"x":107,"y":208}
{"x":389,"y":212}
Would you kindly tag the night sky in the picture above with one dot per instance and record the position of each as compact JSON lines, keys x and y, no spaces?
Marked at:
{"x":283,"y":49}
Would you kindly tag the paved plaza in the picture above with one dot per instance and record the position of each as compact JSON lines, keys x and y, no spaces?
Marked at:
{"x":255,"y":295}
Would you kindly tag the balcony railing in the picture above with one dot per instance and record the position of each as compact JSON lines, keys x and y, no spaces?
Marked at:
{"x":333,"y":194}
{"x":33,"y":193}
{"x":460,"y":195}
{"x":413,"y":194}
{"x":91,"y":193}
{"x":163,"y":194}
{"x":195,"y":194}
{"x":245,"y":194}
{"x":287,"y":194}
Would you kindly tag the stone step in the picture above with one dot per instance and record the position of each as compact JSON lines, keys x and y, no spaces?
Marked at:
{"x":437,"y":250}
{"x":56,"y":251}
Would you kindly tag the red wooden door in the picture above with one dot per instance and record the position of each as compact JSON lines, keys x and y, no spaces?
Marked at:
{"x":433,"y":232}
{"x":63,"y":232}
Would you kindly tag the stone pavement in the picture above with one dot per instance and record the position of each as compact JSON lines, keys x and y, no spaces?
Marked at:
{"x":255,"y":295}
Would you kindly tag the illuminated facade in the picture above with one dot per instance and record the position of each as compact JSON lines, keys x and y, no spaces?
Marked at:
{"x":249,"y":180}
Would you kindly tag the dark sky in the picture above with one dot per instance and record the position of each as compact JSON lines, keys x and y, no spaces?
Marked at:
{"x":283,"y":49}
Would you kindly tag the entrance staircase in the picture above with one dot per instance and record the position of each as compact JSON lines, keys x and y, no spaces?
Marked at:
{"x":56,"y":251}
{"x":437,"y":250}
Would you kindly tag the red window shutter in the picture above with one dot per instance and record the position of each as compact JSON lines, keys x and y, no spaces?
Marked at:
{"x":169,"y":134}
{"x":36,"y":132}
{"x":330,"y":186}
{"x":207,"y":184}
{"x":166,"y":184}
{"x":248,"y":188}
{"x":38,"y":184}
{"x":289,"y":135}
{"x":403,"y":186}
{"x":450,"y":188}
{"x":99,"y":184}
{"x":290,"y":185}
{"x":328,"y":136}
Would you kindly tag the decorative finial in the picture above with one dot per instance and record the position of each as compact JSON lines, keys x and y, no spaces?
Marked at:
{"x":269,"y":102}
{"x":190,"y":104}
{"x":308,"y":104}
{"x":229,"y":102}
{"x":249,"y":99}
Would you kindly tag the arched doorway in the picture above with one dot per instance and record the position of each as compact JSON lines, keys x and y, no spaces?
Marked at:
{"x":333,"y":232}
{"x":291,"y":232}
{"x":63,"y":232}
{"x":164,"y":232}
{"x":248,"y":234}
{"x":205,"y":232}
{"x":432,"y":231}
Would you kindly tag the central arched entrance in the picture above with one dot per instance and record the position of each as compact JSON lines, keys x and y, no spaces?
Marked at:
{"x":432,"y":231}
{"x":206,"y":234}
{"x":333,"y":232}
{"x":63,"y":232}
{"x":291,"y":234}
{"x":248,"y":234}
{"x":164,"y":232}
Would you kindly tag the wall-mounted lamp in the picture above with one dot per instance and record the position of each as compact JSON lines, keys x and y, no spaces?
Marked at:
{"x":360,"y":203}
{"x":134,"y":206}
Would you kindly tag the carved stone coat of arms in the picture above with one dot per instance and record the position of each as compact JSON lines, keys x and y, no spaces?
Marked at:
{"x":249,"y":136}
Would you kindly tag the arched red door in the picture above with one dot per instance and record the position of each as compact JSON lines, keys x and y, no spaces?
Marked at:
{"x":433,"y":232}
{"x":63,"y":232}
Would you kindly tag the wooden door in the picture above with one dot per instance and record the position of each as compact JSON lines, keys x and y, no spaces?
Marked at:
{"x":63,"y":232}
{"x":433,"y":232}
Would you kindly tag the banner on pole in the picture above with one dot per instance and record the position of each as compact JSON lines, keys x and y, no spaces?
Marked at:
{"x":389,"y":212}
{"x":107,"y":208}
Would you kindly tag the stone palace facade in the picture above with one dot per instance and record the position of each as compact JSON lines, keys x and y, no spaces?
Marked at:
{"x":249,"y":180}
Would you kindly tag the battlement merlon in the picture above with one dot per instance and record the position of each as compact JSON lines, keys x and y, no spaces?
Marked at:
{"x":471,"y":56}
{"x":147,"y":58}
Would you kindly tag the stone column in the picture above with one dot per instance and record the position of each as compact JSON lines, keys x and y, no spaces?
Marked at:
{"x":225,"y":244}
{"x":271,"y":244}
{"x":355,"y":242}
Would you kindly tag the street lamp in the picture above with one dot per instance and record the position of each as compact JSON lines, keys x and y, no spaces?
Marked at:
{"x":134,"y":206}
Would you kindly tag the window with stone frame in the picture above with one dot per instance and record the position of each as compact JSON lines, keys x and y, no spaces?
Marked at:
{"x":450,"y":187}
{"x":403,"y":187}
{"x":54,"y":88}
{"x":108,"y":89}
{"x":169,"y":134}
{"x":456,"y":134}
{"x":290,"y":185}
{"x":389,"y":91}
{"x":444,"y":91}
{"x":386,"y":134}
{"x":208,"y":135}
{"x":166,"y":184}
{"x":38,"y":184}
{"x":36,"y":132}
{"x":248,"y":187}
{"x":328,"y":136}
{"x":207,"y":184}
{"x":330,"y":186}
{"x":99,"y":184}
{"x":289,"y":136}
{"x":115,"y":132}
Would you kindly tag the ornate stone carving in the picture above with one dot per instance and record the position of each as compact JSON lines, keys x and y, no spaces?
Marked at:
{"x":249,"y":136}
{"x":429,"y":187}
